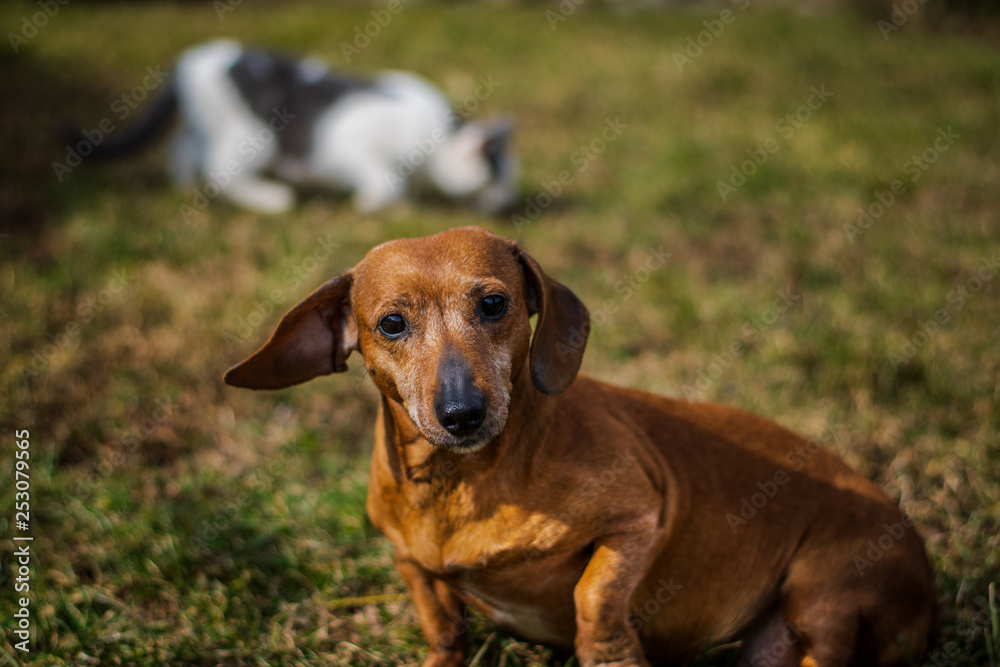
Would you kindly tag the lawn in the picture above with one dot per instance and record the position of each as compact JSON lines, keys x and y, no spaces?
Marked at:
{"x":826,"y":192}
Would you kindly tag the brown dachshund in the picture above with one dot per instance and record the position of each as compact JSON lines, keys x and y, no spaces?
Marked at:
{"x":629,"y":526}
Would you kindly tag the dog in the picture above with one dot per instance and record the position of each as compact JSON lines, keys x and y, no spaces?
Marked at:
{"x":584,"y":515}
{"x":257,"y":123}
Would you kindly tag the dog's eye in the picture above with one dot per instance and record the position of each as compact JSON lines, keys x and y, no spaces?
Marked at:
{"x":493,"y":306}
{"x":392,"y":326}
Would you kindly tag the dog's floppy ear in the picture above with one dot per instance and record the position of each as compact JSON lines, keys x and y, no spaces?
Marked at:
{"x":561,"y":331}
{"x":313,"y":338}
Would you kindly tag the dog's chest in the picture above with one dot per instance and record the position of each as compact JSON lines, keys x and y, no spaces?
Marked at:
{"x":446,"y":541}
{"x":519,"y":568}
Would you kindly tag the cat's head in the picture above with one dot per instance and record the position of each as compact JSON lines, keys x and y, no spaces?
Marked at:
{"x":477,"y":161}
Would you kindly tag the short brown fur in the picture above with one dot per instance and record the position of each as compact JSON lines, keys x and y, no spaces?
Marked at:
{"x":586,"y":515}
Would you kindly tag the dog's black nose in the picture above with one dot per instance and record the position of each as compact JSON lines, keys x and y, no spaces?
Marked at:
{"x":459,"y":406}
{"x":462,"y":417}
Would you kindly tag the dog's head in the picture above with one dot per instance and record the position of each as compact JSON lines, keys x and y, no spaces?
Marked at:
{"x":442,"y":324}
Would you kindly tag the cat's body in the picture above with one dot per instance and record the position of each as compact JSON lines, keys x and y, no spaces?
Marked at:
{"x":255,"y":124}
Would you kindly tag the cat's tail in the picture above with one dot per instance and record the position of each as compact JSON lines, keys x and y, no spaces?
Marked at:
{"x":103,"y":142}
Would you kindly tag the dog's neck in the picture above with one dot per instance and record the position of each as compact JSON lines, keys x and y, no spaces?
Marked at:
{"x":415,"y":460}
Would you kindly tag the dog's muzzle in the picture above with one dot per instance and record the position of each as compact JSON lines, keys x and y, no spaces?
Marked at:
{"x":459,"y":406}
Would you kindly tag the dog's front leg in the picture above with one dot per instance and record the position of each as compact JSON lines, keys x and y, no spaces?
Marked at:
{"x":603,"y":635}
{"x":441,"y":614}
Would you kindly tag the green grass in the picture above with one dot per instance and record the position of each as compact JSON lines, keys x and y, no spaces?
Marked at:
{"x":180,"y":521}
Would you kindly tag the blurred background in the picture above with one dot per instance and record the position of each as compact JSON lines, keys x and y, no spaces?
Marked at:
{"x":823,"y":180}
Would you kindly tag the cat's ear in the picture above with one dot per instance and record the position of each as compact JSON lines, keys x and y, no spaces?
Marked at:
{"x":498,"y":154}
{"x":488,"y":137}
{"x":495,"y":134}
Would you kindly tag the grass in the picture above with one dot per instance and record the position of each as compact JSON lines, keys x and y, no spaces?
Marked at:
{"x":178,"y":521}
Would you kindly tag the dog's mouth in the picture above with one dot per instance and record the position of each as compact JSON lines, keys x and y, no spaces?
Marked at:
{"x":438,"y":434}
{"x":467,"y":445}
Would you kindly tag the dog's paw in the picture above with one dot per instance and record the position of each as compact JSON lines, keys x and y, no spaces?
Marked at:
{"x":626,"y":658}
{"x":445,"y":659}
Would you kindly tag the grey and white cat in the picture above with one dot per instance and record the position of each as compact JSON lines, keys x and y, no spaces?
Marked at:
{"x":255,"y":124}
